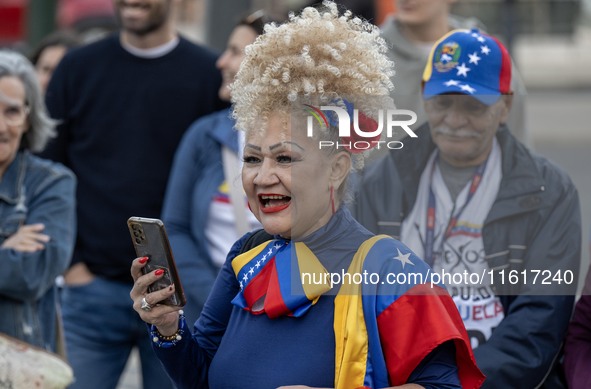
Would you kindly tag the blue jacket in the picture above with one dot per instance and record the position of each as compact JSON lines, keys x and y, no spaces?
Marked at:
{"x":34,"y":190}
{"x":196,"y":174}
{"x":534,"y":224}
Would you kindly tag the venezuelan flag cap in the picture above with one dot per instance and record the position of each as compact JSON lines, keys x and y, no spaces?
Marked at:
{"x":468,"y":62}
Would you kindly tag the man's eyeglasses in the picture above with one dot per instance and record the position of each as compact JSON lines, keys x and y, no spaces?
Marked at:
{"x":466,"y":105}
{"x":14,"y":115}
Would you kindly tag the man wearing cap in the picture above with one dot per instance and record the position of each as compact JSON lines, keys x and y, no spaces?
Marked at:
{"x":410,"y":34}
{"x":490,"y":217}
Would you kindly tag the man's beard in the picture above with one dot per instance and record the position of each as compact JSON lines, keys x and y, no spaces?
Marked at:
{"x":157,"y":17}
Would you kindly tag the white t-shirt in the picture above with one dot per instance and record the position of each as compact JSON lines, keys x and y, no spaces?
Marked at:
{"x":220,"y":230}
{"x":463,"y":250}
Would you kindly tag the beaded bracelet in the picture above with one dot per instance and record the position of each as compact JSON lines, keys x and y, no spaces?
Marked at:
{"x":170,"y":340}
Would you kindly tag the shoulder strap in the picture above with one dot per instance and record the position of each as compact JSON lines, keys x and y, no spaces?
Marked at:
{"x":257,"y":237}
{"x":351,"y":336}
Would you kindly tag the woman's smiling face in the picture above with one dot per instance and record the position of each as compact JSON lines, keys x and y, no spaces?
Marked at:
{"x":287,"y":179}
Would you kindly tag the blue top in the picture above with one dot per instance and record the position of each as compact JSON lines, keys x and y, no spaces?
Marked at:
{"x":232,"y":348}
{"x":33,"y":190}
{"x":196,"y":174}
{"x":122,"y":119}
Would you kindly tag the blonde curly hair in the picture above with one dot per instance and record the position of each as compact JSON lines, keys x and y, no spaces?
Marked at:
{"x":319,"y":56}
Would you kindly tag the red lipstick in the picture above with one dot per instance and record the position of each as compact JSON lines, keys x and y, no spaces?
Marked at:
{"x":272,"y":202}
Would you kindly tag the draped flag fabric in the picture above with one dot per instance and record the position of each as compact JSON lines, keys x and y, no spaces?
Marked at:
{"x":383,"y":333}
{"x":270,"y":278}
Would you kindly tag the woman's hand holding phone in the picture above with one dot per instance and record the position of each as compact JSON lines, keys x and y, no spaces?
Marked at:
{"x":164,"y":317}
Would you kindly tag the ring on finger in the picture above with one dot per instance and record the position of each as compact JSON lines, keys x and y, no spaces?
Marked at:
{"x":145,"y":305}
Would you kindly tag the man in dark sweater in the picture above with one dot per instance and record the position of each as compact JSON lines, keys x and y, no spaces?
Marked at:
{"x":124,"y":103}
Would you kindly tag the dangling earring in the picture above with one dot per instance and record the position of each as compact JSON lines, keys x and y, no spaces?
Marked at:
{"x":332,"y":199}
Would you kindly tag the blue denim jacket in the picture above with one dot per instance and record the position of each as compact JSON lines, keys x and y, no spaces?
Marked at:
{"x":194,"y":179}
{"x":34,"y":190}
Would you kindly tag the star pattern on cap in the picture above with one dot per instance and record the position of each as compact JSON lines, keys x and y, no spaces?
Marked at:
{"x":451,"y":83}
{"x":474,"y":58}
{"x":462,"y":70}
{"x":468,"y":88}
{"x":464,"y":87}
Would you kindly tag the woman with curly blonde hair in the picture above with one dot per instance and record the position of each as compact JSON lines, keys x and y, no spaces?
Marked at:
{"x":311,"y":300}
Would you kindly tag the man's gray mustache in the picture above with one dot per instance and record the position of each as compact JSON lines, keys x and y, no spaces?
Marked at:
{"x":457,"y":133}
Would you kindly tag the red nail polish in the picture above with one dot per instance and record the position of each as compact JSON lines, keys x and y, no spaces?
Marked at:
{"x":143,"y":260}
{"x":159,"y":272}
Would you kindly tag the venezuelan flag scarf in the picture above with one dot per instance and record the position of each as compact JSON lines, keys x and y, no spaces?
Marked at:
{"x":271,"y":279}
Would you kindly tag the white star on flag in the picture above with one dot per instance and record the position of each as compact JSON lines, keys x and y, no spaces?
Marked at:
{"x":245,"y":278}
{"x":451,"y":83}
{"x":468,"y":88}
{"x":277,"y":246}
{"x":462,"y":70}
{"x":474,"y":58}
{"x":481,"y":39}
{"x":403,"y":258}
{"x":484,"y":49}
{"x":475,"y":35}
{"x":446,"y":58}
{"x":241,"y":285}
{"x":258,"y":264}
{"x":251,"y":271}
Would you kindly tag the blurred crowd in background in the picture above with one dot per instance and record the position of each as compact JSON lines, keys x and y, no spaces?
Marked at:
{"x":548,"y":39}
{"x":26,"y":22}
{"x":558,"y":30}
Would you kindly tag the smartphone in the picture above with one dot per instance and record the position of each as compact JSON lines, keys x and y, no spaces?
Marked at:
{"x":150,"y":240}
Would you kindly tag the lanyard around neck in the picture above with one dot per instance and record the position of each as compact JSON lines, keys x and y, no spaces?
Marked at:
{"x":453,"y":220}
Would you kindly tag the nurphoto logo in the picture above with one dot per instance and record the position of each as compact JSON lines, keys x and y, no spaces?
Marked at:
{"x":360,"y":132}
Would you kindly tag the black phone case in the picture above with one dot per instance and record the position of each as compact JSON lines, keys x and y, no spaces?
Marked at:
{"x":150,"y":240}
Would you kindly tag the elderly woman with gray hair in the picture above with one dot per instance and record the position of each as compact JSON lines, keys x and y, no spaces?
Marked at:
{"x":37,"y":209}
